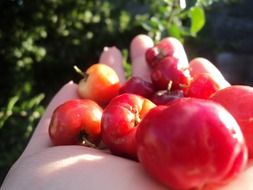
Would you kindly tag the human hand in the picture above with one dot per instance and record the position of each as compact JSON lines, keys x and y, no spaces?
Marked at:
{"x":44,"y":166}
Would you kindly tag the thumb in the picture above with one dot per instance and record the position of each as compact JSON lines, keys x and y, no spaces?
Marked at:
{"x":40,"y":138}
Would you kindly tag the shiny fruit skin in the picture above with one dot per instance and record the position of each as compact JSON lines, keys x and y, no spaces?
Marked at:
{"x":159,"y":51}
{"x":163,"y":97}
{"x":168,"y":71}
{"x":137,"y":85}
{"x":101,"y":84}
{"x":202,"y":86}
{"x":201,"y":65}
{"x":120,"y":120}
{"x":190,"y":143}
{"x":76,"y":121}
{"x":238,"y":100}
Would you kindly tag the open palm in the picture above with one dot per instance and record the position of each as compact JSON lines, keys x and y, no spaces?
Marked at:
{"x":43,"y":166}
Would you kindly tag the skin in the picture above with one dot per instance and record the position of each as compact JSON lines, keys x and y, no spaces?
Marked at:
{"x":112,"y":56}
{"x":43,"y":166}
{"x":201,"y":65}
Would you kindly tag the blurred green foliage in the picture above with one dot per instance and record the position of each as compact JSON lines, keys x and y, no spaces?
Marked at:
{"x":40,"y":41}
{"x":174,"y":18}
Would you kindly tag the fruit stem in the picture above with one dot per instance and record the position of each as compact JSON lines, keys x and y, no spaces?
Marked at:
{"x":169,"y":85}
{"x":78,"y":70}
{"x":137,"y":118}
{"x":88,"y":143}
{"x":84,"y":140}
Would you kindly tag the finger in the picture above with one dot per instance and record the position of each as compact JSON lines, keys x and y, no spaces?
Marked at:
{"x":138,"y":47}
{"x":177,"y":50}
{"x":141,"y":43}
{"x":40,"y":138}
{"x":201,"y":65}
{"x":112,"y":56}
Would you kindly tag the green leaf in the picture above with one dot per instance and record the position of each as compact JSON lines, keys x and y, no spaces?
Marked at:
{"x":197,"y":16}
{"x":175,"y":31}
{"x":35,"y":101}
{"x":154,"y":22}
{"x":146,"y":26}
{"x":8,"y":111}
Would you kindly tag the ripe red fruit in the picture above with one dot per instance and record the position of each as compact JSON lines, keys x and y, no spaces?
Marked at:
{"x":238,"y":100}
{"x":202,"y":86}
{"x":100,"y":83}
{"x":76,"y":121}
{"x":190,"y":143}
{"x":168,"y":70}
{"x":201,"y":65}
{"x":120,"y":120}
{"x":137,"y":85}
{"x":163,"y":97}
{"x":156,"y":53}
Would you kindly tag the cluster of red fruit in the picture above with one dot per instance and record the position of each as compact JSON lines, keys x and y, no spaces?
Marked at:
{"x":187,"y":128}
